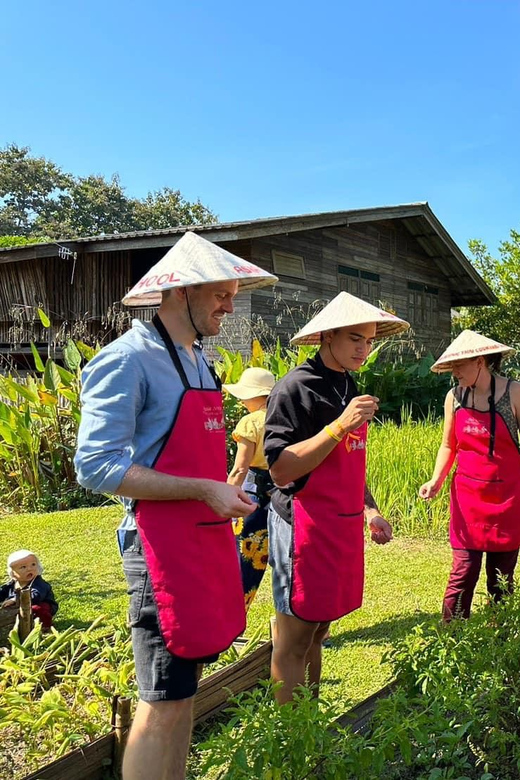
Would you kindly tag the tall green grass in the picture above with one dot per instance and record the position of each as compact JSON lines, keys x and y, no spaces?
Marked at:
{"x":400,"y":459}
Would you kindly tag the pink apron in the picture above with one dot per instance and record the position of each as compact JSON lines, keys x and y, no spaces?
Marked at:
{"x":485,"y":497}
{"x":190,"y":551}
{"x":328,"y":535}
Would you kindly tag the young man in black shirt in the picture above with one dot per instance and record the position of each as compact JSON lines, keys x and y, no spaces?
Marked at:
{"x":315,"y":447}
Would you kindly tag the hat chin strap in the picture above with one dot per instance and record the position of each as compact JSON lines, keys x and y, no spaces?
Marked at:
{"x":198,"y":334}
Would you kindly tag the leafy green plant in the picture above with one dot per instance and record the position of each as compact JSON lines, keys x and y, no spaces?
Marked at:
{"x":263,"y":741}
{"x":39,"y":418}
{"x":454,"y":715}
{"x":404,"y":384}
{"x":472,"y":670}
{"x":56,"y":690}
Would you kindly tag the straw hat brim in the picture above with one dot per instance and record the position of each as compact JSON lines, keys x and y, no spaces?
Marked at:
{"x":192,"y":261}
{"x":469,"y":345}
{"x":383,"y":330}
{"x":446,"y":364}
{"x":347,"y":311}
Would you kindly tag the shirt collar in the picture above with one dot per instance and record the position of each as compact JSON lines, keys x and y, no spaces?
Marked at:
{"x":326,"y":372}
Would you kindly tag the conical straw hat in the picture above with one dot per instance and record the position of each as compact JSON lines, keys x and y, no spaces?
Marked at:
{"x":345,"y":310}
{"x":253,"y":383}
{"x":193,"y":260}
{"x":469,"y":344}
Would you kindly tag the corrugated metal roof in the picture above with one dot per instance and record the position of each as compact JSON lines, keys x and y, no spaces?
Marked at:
{"x":216,"y":226}
{"x":467,"y":285}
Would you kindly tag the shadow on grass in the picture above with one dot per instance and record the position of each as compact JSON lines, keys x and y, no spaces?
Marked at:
{"x":386,"y":630}
{"x":81,"y":588}
{"x":67,"y":622}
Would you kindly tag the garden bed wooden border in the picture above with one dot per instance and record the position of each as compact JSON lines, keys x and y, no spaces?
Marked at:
{"x":93,"y":761}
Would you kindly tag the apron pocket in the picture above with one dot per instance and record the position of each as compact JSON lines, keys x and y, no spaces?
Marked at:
{"x":218,"y":523}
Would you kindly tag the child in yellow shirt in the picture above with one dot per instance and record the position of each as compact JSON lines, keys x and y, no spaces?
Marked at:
{"x":251,"y":473}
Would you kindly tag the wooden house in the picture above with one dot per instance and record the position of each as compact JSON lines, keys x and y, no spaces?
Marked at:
{"x":401,"y":256}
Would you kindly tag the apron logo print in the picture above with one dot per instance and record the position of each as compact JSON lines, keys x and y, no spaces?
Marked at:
{"x":476,"y":429}
{"x":352,"y":442}
{"x":213,"y":424}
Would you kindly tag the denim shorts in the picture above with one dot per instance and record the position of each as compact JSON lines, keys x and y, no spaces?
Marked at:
{"x":280,"y":560}
{"x":160,"y":675}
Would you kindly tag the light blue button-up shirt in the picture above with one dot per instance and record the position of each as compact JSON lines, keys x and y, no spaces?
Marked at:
{"x":130,"y":395}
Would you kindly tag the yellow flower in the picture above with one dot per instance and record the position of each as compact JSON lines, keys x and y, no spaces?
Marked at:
{"x":260,"y":556}
{"x":254,"y":549}
{"x":247,"y":548}
{"x":238,"y":526}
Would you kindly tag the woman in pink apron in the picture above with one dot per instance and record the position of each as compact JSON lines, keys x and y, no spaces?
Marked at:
{"x":481,"y":436}
{"x":315,"y":445}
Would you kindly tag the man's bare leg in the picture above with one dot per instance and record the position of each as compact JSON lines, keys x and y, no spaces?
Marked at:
{"x":159,"y":740}
{"x":294,"y":640}
{"x":313,"y":659}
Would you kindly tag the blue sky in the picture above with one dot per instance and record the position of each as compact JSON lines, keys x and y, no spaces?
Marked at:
{"x":277,"y":107}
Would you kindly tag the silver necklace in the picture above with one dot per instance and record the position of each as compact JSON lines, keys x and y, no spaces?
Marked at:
{"x":342,"y":398}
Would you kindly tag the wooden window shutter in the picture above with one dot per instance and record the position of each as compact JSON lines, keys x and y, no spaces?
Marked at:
{"x":286,"y":264}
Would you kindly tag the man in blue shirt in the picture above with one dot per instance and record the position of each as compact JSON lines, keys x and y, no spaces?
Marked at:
{"x":134,"y":408}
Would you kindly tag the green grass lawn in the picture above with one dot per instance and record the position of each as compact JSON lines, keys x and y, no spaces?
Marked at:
{"x":404,"y":586}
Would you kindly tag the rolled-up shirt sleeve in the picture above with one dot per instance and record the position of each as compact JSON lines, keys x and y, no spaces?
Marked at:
{"x":113,"y":392}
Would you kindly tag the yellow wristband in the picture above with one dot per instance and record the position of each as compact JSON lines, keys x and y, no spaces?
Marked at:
{"x":328,"y":430}
{"x":342,"y":431}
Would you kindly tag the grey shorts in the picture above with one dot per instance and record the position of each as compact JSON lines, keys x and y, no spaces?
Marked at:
{"x":280,"y":560}
{"x":160,"y":675}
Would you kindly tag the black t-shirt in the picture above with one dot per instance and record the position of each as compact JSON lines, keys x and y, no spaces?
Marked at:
{"x":301,"y":403}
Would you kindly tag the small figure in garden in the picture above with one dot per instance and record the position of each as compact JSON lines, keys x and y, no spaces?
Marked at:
{"x":481,"y":425}
{"x":153,"y":431}
{"x":25,"y":570}
{"x":251,"y":473}
{"x":315,"y":438}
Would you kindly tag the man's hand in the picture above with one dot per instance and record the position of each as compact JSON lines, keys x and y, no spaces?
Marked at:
{"x":359,"y":410}
{"x":227,"y":500}
{"x":8,"y":603}
{"x":380,"y":530}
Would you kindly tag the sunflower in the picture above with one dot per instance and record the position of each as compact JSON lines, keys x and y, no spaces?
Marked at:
{"x":248,"y":548}
{"x":238,"y":526}
{"x":249,"y":596}
{"x":259,"y":560}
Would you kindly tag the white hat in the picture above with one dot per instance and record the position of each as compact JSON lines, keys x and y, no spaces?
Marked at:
{"x":253,"y":383}
{"x":346,"y":310}
{"x":193,"y":260}
{"x":19,"y":555}
{"x":469,"y":344}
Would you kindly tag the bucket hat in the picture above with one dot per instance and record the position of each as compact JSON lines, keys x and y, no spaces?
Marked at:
{"x":469,"y":344}
{"x":346,"y":310}
{"x":253,"y":383}
{"x":194,"y":260}
{"x":19,"y":555}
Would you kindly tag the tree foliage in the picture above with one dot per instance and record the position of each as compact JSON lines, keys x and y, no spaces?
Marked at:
{"x":30,"y":187}
{"x":502,"y":274}
{"x":38,"y":199}
{"x":6,"y":241}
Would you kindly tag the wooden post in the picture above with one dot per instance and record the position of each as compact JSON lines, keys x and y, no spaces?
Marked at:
{"x":121,"y":720}
{"x":25,"y":617}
